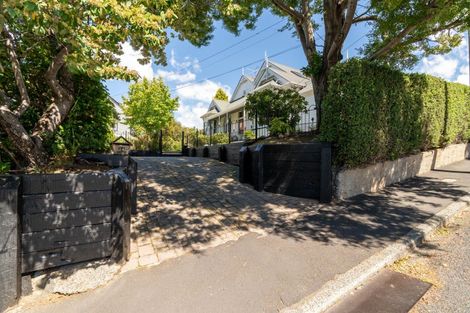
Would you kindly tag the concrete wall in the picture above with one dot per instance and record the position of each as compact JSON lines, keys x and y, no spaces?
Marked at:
{"x":374,"y":177}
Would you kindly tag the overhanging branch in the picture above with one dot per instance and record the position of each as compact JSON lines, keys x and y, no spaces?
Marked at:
{"x":15,"y":64}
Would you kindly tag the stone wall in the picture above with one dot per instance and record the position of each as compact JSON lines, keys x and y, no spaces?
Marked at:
{"x":351,"y":182}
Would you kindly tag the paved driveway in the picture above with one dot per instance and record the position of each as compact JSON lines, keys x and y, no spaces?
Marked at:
{"x":187,"y":205}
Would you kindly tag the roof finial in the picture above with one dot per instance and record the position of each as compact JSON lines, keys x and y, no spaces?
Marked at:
{"x":347,"y":55}
{"x":243,"y":71}
{"x":266,"y":60}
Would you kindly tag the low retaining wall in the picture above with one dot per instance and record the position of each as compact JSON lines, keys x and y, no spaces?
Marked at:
{"x":50,"y":220}
{"x":351,"y":182}
{"x":231,"y":154}
{"x":299,"y":170}
{"x":10,"y":249}
{"x":124,"y":162}
{"x":144,"y":153}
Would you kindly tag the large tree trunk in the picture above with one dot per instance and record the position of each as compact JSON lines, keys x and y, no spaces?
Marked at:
{"x":33,"y":154}
{"x":30,"y":147}
{"x":338,"y":17}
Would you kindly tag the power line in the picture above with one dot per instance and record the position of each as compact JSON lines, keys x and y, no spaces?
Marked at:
{"x":239,"y":42}
{"x":242,"y":51}
{"x":237,"y":69}
{"x":355,"y":42}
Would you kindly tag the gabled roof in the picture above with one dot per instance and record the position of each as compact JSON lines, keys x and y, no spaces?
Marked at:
{"x":242,"y":80}
{"x":288,"y":73}
{"x":216,"y":106}
{"x":121,"y":141}
{"x":283,"y":77}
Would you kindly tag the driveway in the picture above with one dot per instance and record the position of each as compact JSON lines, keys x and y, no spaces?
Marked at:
{"x":219,"y":246}
{"x":187,"y":205}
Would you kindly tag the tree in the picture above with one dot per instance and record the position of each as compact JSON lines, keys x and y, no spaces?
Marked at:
{"x":281,"y":107}
{"x":88,"y":127}
{"x":45,"y":42}
{"x":221,"y":95}
{"x":149,"y":107}
{"x":401,"y":31}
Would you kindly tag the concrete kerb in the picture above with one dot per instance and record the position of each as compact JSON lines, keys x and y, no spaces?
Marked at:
{"x":347,"y":282}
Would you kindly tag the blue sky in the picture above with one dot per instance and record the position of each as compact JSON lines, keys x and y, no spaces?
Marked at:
{"x":190,"y":70}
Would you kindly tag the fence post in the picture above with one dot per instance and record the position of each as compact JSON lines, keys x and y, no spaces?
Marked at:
{"x":132,"y":173}
{"x":256,"y":124}
{"x":182,"y":142}
{"x":160,"y":142}
{"x":121,"y":217}
{"x":210,"y":134}
{"x":258,"y":168}
{"x":326,"y":187}
{"x":229,"y":130}
{"x":10,"y":243}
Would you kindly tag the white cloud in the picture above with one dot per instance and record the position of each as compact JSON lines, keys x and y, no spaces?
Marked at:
{"x":177,"y":77}
{"x":452,"y":66}
{"x":203,"y":91}
{"x":190,"y":115}
{"x":463,"y":76}
{"x":440,"y":65}
{"x":130,"y":60}
{"x":186,"y":64}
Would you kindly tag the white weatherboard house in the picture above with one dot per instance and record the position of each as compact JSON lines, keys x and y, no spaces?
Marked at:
{"x":120,"y":127}
{"x":230,"y":117}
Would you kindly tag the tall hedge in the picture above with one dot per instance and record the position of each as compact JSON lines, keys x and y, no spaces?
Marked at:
{"x":374,"y":113}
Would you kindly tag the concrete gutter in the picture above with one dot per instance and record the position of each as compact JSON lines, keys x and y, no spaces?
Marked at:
{"x":347,"y":282}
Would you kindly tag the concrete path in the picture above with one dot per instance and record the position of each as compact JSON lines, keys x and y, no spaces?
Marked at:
{"x":243,"y":251}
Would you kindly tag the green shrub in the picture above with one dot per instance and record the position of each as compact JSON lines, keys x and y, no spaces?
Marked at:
{"x":4,"y":167}
{"x":458,"y":113}
{"x":374,"y":113}
{"x":249,"y":135}
{"x":278,"y":127}
{"x":220,"y":138}
{"x":89,"y":125}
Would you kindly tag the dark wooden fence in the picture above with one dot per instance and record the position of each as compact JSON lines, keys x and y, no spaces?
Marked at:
{"x":65,"y":218}
{"x":228,"y":153}
{"x":126,"y":163}
{"x":50,"y":220}
{"x":299,"y":170}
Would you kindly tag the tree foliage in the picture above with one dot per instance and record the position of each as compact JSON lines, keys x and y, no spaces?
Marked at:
{"x":89,"y":125}
{"x":401,"y":31}
{"x":220,"y":94}
{"x":149,"y":107}
{"x":375,"y":113}
{"x":45,"y":42}
{"x":283,"y":106}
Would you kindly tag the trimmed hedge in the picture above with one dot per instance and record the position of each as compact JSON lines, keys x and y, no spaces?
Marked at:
{"x":374,"y":113}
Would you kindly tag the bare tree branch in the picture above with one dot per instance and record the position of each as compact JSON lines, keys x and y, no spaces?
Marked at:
{"x":339,"y":39}
{"x":288,"y":9}
{"x":398,"y":38}
{"x":360,"y":19}
{"x":15,"y":64}
{"x":10,"y":154}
